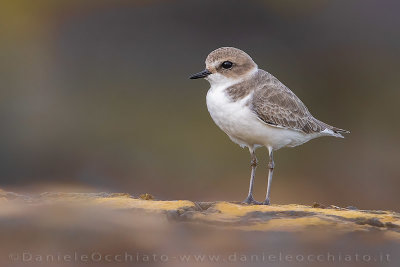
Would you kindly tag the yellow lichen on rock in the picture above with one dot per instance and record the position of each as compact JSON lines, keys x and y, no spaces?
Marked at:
{"x":240,"y":210}
{"x":151,"y":205}
{"x":146,"y":196}
{"x":296,"y":218}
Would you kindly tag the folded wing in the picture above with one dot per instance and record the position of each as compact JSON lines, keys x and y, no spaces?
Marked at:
{"x":277,"y":105}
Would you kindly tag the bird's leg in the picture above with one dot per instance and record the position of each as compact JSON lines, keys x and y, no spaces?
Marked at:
{"x":271,"y":166}
{"x":250,"y":199}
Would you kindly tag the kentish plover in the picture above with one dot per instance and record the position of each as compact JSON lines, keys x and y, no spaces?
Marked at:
{"x":255,"y":109}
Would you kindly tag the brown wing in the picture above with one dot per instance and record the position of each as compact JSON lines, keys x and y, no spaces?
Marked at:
{"x":275,"y":104}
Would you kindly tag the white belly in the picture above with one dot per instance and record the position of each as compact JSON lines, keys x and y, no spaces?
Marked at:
{"x":243,"y":126}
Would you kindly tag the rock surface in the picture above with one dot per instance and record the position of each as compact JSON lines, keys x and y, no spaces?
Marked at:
{"x":108,"y":223}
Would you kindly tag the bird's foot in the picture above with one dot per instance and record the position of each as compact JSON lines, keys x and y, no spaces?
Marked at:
{"x":265,"y":202}
{"x":251,"y":201}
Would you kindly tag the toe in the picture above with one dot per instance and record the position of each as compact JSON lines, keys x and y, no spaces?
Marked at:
{"x":266,"y":202}
{"x":251,"y":201}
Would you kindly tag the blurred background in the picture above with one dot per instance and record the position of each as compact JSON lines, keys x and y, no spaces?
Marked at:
{"x":95,"y":96}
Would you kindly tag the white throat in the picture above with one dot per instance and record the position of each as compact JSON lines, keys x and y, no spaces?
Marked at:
{"x":219,"y":80}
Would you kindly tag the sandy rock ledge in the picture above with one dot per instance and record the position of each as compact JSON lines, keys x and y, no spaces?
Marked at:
{"x":228,"y":215}
{"x":118,"y":223}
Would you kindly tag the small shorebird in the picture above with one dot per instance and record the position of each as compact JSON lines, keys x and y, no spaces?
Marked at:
{"x":255,"y":109}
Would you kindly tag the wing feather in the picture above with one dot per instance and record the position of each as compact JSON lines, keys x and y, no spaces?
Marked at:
{"x":277,"y":105}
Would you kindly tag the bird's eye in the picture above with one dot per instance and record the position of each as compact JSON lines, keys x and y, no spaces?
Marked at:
{"x":227,"y":64}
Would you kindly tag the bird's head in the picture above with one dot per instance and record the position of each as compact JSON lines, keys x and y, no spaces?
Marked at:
{"x":226,"y":64}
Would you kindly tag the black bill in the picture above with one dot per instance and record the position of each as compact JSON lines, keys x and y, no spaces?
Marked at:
{"x":200,"y":74}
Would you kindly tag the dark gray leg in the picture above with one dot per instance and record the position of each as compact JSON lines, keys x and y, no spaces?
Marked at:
{"x":250,"y":199}
{"x":271,"y":166}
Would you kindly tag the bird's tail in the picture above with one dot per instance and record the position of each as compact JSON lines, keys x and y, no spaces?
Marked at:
{"x":338,"y":130}
{"x":333,"y":131}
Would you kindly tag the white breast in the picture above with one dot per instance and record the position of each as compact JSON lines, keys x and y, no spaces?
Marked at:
{"x":243,"y":126}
